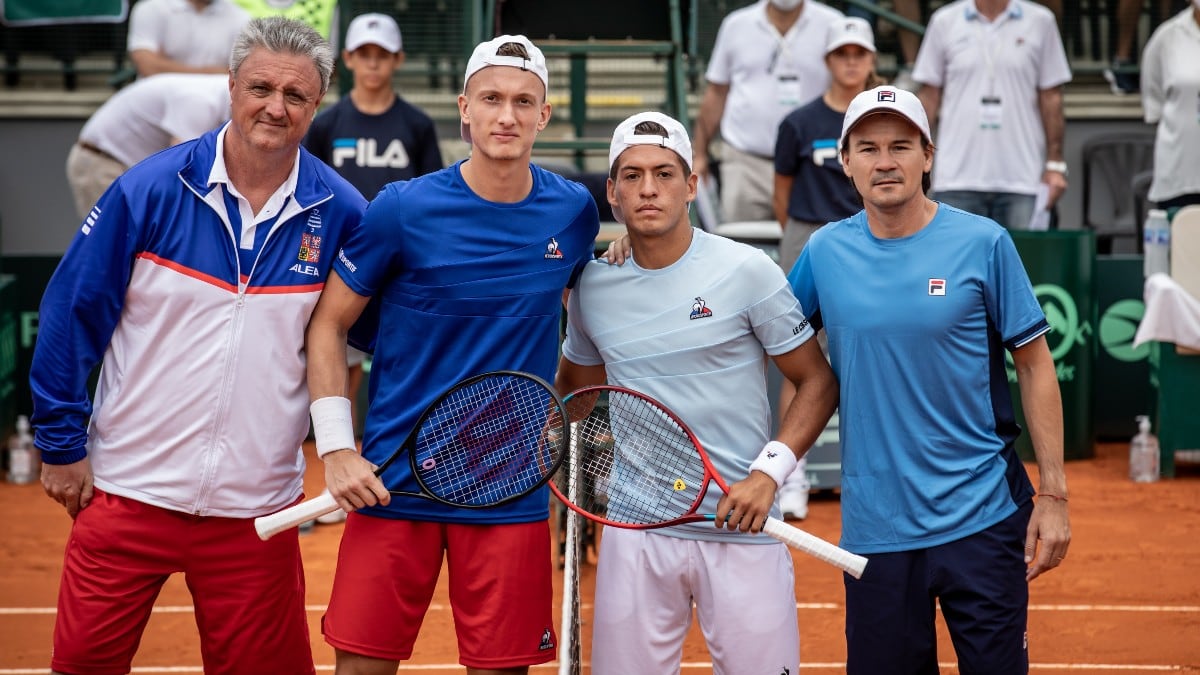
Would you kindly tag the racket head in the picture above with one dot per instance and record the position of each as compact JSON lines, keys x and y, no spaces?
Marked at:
{"x":636,"y":464}
{"x":490,"y":439}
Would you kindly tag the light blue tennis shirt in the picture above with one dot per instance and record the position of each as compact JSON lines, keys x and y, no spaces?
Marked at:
{"x":917,"y":330}
{"x":694,"y":336}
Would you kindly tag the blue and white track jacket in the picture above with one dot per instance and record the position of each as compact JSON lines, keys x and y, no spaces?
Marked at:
{"x":202,"y":404}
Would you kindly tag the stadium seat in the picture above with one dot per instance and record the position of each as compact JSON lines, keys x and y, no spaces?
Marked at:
{"x":1109,"y":164}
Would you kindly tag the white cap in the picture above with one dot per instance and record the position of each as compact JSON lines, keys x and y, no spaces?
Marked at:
{"x":851,"y":30}
{"x":374,"y":29}
{"x":885,"y":99}
{"x":485,"y":56}
{"x":625,"y":137}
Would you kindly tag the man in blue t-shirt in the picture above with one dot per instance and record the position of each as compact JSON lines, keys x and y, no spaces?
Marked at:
{"x":920,"y":302}
{"x":465,"y":270}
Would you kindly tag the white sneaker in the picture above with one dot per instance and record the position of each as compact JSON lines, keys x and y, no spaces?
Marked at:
{"x":332,"y":518}
{"x":793,"y":503}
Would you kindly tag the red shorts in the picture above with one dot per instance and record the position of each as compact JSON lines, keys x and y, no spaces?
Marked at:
{"x":121,"y":551}
{"x":500,"y":590}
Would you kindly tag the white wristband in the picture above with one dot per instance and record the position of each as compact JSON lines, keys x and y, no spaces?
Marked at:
{"x":776,"y":460}
{"x":333,"y":426}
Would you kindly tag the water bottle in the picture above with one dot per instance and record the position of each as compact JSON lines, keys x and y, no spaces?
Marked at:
{"x":1143,"y":453}
{"x":1156,"y":243}
{"x":23,"y":461}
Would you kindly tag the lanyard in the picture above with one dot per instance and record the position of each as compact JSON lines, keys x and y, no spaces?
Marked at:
{"x":781,"y":45}
{"x":990,"y":39}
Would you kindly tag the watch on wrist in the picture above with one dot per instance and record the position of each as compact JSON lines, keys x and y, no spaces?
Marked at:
{"x":1057,"y":167}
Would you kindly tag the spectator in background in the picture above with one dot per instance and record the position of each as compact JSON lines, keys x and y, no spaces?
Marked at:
{"x":320,"y":14}
{"x":910,"y":44}
{"x":766,"y":61}
{"x":810,"y":187}
{"x":372,"y":136}
{"x":1170,"y":92}
{"x":183,"y":36}
{"x":192,"y":280}
{"x":1122,"y":75}
{"x":992,"y":73}
{"x":150,"y":115}
{"x":909,"y":41}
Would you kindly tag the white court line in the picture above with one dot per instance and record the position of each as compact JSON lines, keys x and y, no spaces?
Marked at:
{"x":705,"y":666}
{"x":437,"y":607}
{"x":437,"y":667}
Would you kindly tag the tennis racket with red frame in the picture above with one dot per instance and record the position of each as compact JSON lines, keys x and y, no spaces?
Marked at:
{"x":489,"y":440}
{"x":638,"y":466}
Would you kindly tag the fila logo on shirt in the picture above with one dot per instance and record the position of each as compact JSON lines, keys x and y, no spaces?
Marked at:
{"x":824,"y":150}
{"x":362,"y":152}
{"x":937,"y":286}
{"x":699,"y":310}
{"x":552,"y":251}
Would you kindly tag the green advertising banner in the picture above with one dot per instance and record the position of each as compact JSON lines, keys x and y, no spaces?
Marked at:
{"x":1061,"y":266}
{"x":22,"y":297}
{"x":47,"y":12}
{"x":1121,"y":375}
{"x":9,"y":358}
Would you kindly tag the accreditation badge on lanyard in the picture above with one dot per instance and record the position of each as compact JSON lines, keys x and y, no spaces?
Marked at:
{"x":991,"y":111}
{"x":787,"y":90}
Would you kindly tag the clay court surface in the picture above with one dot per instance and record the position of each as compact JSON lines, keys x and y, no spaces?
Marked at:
{"x":1126,"y":600}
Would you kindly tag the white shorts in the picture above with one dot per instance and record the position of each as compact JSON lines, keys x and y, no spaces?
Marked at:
{"x":646,"y":582}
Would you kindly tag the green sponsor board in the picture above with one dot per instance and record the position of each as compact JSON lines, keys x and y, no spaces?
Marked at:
{"x":30,"y":274}
{"x":8,"y":356}
{"x":1061,"y":266}
{"x":48,"y":12}
{"x":1122,"y":388}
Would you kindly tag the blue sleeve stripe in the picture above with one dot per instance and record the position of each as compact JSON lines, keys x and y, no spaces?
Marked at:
{"x":1025,"y":337}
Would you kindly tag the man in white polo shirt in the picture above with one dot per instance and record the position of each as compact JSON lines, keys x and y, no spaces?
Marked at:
{"x":768,"y":59}
{"x":992,"y":73}
{"x":183,"y":36}
{"x":147,"y":116}
{"x":1170,"y":92}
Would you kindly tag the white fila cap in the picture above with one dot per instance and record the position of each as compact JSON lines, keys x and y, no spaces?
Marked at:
{"x":485,"y":56}
{"x":373,"y":29}
{"x":625,"y":137}
{"x":885,"y":99}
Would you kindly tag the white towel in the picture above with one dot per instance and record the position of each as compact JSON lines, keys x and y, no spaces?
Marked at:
{"x":1172,"y":314}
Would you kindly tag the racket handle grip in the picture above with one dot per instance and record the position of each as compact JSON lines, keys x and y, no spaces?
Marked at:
{"x":818,"y":548}
{"x":271,"y":525}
